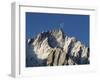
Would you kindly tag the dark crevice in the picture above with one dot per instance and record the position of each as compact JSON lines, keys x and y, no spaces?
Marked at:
{"x":58,"y":57}
{"x":53,"y":59}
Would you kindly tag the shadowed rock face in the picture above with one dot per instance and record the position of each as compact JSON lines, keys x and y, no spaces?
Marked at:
{"x":53,"y":48}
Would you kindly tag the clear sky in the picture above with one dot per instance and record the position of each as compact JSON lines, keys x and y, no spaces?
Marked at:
{"x":73,"y":25}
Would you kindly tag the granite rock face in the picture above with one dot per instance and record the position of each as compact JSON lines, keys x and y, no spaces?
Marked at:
{"x":54,"y":48}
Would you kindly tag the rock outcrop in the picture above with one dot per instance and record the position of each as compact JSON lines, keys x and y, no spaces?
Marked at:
{"x":53,"y":48}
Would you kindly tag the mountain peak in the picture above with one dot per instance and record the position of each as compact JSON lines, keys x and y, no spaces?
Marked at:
{"x":55,"y":48}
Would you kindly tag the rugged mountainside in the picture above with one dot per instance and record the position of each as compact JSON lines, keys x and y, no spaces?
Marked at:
{"x":53,"y":48}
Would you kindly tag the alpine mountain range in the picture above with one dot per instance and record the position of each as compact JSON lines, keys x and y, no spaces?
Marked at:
{"x":55,"y":48}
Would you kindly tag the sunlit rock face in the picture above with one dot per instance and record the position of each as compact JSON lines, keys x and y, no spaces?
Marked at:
{"x":54,"y":48}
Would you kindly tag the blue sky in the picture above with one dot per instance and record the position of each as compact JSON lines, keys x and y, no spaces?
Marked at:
{"x":73,"y":25}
